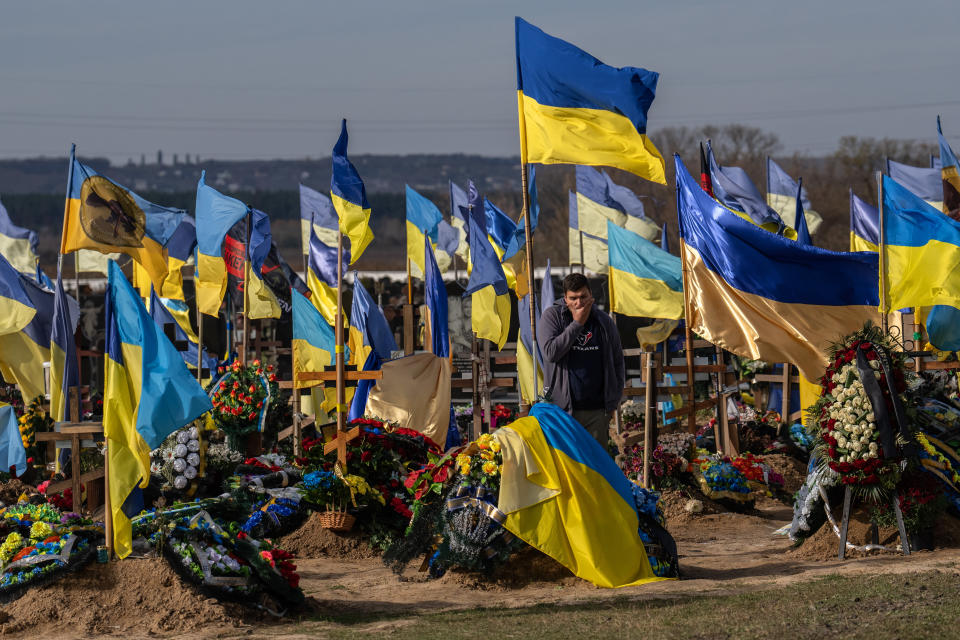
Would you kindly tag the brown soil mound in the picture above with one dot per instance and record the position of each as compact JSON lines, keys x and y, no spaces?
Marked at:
{"x":313,"y":541}
{"x":525,"y":567}
{"x":673,"y":502}
{"x":133,"y":594}
{"x":794,"y":472}
{"x":824,"y":544}
{"x":11,"y":491}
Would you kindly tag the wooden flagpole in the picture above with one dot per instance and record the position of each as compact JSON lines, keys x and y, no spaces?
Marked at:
{"x":341,"y":392}
{"x":528,"y":236}
{"x":246,"y":269}
{"x":884,"y":319}
{"x":688,"y":334}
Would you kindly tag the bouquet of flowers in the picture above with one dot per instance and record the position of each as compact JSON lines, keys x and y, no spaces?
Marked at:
{"x":34,"y":419}
{"x":178,"y":459}
{"x":244,"y":399}
{"x":480,"y":466}
{"x":845,"y":428}
{"x":720,"y":479}
{"x":758,"y":473}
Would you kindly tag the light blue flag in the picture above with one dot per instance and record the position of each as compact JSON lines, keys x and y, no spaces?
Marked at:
{"x":11,"y":443}
{"x":423,"y":213}
{"x":922,"y":181}
{"x":458,"y":201}
{"x":448,"y":237}
{"x":18,"y":245}
{"x":317,"y":212}
{"x":436,"y":300}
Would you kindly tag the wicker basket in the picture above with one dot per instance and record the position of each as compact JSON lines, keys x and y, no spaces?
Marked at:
{"x":336,"y":520}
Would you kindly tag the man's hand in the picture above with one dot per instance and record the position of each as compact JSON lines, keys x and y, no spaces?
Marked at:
{"x":581,"y":309}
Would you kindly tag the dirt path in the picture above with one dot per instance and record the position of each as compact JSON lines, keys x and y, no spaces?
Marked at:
{"x":719,"y":554}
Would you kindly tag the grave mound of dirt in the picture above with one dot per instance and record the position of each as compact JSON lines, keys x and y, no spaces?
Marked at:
{"x":525,"y":567}
{"x":674,"y":502}
{"x":794,"y":471}
{"x":313,"y":541}
{"x":142,"y":595}
{"x":824,"y":544}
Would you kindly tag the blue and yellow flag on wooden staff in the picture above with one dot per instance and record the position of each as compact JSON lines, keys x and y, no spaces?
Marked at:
{"x":22,"y":353}
{"x":525,"y":349}
{"x":782,"y":198}
{"x":864,"y":225}
{"x":216,"y":213}
{"x":64,"y":368}
{"x":574,"y":109}
{"x":180,"y":248}
{"x":645,"y":281}
{"x":922,"y":251}
{"x":584,"y":248}
{"x":922,"y":181}
{"x":317,"y":213}
{"x":764,"y":296}
{"x":561,"y":493}
{"x":148,"y":394}
{"x":423,"y":220}
{"x":950,"y":176}
{"x":350,"y":198}
{"x":487,"y":287}
{"x":107,"y":217}
{"x":314,"y":342}
{"x":18,"y":245}
{"x":369,"y":329}
{"x":322,"y":277}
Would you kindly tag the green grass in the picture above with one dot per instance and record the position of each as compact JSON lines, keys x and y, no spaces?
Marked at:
{"x":873,"y":607}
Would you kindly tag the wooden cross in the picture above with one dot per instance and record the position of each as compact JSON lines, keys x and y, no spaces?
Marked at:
{"x":343,"y":437}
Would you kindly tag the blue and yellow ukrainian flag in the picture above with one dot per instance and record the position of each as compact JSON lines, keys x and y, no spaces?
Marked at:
{"x":782,"y":198}
{"x":950,"y":175}
{"x":487,"y":287}
{"x":64,"y":368}
{"x":180,"y":248}
{"x":317,"y":213}
{"x":322,"y":276}
{"x":350,"y":198}
{"x":216,"y":213}
{"x":922,"y":181}
{"x":23,"y":352}
{"x":261,"y":302}
{"x":369,"y":330}
{"x":574,"y":109}
{"x":107,"y":217}
{"x":584,"y":248}
{"x":764,"y":296}
{"x":16,"y":307}
{"x":645,"y":281}
{"x":864,"y":225}
{"x":18,"y":245}
{"x":148,"y":394}
{"x":423,"y":220}
{"x":435,"y":299}
{"x":314,"y":342}
{"x":922,"y":251}
{"x":564,"y":495}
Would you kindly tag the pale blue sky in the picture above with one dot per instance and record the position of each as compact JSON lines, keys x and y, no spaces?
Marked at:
{"x":239,"y":79}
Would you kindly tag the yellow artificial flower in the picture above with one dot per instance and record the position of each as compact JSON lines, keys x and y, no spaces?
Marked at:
{"x":495,"y":446}
{"x":465,"y":469}
{"x":490,"y":468}
{"x":463,"y":459}
{"x":486,"y":455}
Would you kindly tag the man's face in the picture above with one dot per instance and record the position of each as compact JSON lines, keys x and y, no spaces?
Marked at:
{"x":578,"y":299}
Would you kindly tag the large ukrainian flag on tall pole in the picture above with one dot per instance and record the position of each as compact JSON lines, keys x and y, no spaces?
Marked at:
{"x":574,"y":109}
{"x":148,"y":394}
{"x":107,"y":217}
{"x":921,"y":251}
{"x":645,"y":281}
{"x":764,"y":296}
{"x":350,"y":198}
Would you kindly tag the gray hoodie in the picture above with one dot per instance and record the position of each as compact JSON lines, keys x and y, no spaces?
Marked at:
{"x":556,"y":334}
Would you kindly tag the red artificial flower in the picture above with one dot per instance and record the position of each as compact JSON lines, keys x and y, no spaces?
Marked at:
{"x":366,"y":455}
{"x":272,"y":377}
{"x":441,"y":474}
{"x":251,"y":389}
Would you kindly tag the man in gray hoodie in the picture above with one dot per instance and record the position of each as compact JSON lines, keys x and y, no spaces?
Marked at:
{"x":582,"y":358}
